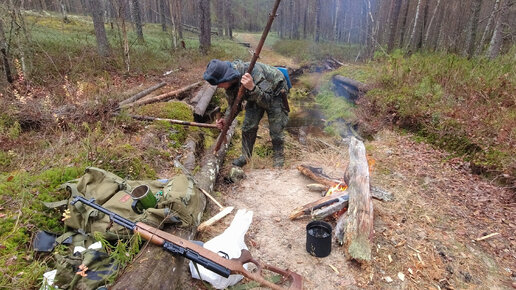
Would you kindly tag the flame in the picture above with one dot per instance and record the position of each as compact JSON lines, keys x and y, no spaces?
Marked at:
{"x":337,"y":188}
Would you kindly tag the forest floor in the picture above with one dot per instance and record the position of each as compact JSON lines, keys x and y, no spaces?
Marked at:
{"x":425,"y":239}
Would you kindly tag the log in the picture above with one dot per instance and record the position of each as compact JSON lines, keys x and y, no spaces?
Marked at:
{"x":189,"y":158}
{"x":179,"y":122}
{"x":201,"y":101}
{"x":308,"y":208}
{"x":142,"y":94}
{"x":356,"y":85}
{"x":163,"y":97}
{"x":317,"y":175}
{"x":355,"y":228}
{"x":156,"y":268}
{"x":323,"y":212}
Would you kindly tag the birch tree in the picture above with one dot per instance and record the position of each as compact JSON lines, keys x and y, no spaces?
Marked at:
{"x":496,"y":40}
{"x":415,"y":36}
{"x":429,"y":27}
{"x":488,"y":28}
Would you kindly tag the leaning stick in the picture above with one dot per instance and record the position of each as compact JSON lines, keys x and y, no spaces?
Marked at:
{"x":142,"y":94}
{"x":234,"y":108}
{"x":211,"y":197}
{"x":215,"y":218}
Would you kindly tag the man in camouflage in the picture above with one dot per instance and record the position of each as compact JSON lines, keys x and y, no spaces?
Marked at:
{"x":266,"y":91}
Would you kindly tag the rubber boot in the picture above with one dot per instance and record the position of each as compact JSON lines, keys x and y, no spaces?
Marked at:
{"x":278,"y":155}
{"x":248,"y":139}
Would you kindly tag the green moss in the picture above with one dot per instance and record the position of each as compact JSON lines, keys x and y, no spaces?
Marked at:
{"x":123,"y":160}
{"x":22,"y":197}
{"x":168,"y":110}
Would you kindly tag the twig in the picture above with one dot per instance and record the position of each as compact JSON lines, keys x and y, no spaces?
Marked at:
{"x":487,"y":237}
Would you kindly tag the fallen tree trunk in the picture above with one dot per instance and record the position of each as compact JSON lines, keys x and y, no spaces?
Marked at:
{"x":142,"y":94}
{"x":361,"y":87}
{"x":156,"y":268}
{"x":163,"y":97}
{"x":355,"y":228}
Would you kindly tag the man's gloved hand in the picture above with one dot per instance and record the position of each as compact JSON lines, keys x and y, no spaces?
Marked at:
{"x":247,"y":81}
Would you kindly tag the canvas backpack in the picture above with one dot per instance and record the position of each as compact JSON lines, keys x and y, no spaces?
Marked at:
{"x":180,"y":202}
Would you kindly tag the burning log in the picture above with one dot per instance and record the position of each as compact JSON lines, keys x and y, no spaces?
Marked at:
{"x":317,"y":175}
{"x":307,"y":209}
{"x":163,"y":97}
{"x":338,"y":206}
{"x":142,"y":94}
{"x":355,"y":228}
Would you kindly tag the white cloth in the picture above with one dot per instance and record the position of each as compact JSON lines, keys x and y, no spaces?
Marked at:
{"x":231,"y":242}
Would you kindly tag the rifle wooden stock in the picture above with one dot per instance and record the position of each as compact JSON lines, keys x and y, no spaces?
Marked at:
{"x":236,"y":266}
{"x":241,"y":90}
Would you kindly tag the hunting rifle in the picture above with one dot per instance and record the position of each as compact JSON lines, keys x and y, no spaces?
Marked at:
{"x":241,"y":90}
{"x":204,"y":257}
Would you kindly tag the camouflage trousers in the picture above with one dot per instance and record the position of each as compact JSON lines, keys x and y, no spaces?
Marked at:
{"x":278,"y":118}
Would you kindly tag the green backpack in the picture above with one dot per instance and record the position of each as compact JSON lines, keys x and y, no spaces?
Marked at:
{"x":180,"y":202}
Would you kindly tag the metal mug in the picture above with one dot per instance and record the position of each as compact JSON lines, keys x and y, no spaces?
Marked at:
{"x":143,"y":198}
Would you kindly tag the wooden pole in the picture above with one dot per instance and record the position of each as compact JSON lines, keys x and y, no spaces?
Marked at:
{"x":241,"y":90}
{"x":179,"y":122}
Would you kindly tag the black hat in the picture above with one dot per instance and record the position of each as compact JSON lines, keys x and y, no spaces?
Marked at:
{"x":219,"y":71}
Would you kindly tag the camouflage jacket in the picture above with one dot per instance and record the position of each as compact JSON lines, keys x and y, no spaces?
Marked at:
{"x":269,"y":83}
